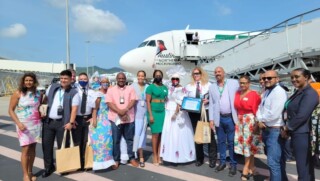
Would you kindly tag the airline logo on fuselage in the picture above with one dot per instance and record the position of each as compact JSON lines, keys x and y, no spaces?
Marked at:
{"x":164,"y":57}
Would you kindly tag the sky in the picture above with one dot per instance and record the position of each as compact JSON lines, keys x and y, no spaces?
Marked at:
{"x":35,"y":30}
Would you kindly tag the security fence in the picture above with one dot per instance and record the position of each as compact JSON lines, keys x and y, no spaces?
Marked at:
{"x":9,"y":81}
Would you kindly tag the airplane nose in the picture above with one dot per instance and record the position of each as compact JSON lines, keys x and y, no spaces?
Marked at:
{"x":125,"y":61}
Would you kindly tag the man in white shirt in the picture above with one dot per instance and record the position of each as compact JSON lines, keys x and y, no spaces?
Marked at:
{"x":195,"y":38}
{"x":86,"y":111}
{"x":61,"y":116}
{"x":270,"y":120}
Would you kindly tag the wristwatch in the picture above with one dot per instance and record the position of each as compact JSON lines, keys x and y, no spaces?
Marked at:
{"x":71,"y":123}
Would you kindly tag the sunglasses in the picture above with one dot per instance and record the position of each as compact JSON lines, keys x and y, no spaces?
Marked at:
{"x":175,"y":78}
{"x":267,"y":78}
{"x":196,"y":73}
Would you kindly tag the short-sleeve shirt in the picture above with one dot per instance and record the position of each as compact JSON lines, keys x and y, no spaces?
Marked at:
{"x":58,"y":101}
{"x":157,"y":92}
{"x":113,"y":96}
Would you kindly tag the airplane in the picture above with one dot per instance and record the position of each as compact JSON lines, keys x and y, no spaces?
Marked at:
{"x":162,"y":50}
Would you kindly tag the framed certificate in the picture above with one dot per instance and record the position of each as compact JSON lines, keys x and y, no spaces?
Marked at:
{"x":191,"y":104}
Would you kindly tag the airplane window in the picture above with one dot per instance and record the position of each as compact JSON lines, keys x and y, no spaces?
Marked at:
{"x":152,"y":43}
{"x":143,"y":44}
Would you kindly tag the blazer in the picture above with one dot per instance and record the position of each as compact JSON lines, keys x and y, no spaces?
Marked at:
{"x":299,"y":110}
{"x":214,"y":101}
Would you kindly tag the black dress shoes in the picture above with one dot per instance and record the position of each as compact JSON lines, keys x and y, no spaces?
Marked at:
{"x":199,"y":163}
{"x":232,"y":171}
{"x":48,"y":172}
{"x":212,"y":164}
{"x":220,"y":167}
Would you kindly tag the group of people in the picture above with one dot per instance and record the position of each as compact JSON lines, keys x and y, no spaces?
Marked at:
{"x":245,"y":122}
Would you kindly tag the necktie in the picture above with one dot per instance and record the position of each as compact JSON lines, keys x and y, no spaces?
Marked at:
{"x":83,"y":101}
{"x":198,"y":90}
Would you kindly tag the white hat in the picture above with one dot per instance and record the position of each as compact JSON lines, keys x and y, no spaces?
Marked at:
{"x":176,"y":71}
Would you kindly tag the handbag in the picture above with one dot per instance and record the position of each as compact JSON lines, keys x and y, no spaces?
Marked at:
{"x":88,"y":157}
{"x":203,"y":131}
{"x":68,"y":159}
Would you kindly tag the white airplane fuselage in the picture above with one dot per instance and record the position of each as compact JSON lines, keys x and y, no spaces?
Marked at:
{"x":151,"y":55}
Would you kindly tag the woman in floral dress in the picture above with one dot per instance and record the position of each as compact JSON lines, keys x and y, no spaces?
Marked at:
{"x":100,"y":132}
{"x":24,"y":111}
{"x":246,"y":142}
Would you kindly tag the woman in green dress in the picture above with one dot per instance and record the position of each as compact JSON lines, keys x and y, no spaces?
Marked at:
{"x":156,"y":96}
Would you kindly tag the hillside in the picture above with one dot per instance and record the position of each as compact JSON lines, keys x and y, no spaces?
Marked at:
{"x":99,"y":69}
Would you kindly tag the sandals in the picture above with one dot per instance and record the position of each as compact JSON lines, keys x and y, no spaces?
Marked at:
{"x":245,"y":177}
{"x":32,"y":177}
{"x":141,"y":162}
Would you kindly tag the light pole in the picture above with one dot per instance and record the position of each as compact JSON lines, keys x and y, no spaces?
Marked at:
{"x":92,"y":59}
{"x":87,"y":56}
{"x":67,"y":34}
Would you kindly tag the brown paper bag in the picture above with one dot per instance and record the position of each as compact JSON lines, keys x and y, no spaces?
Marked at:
{"x":203,"y":131}
{"x":88,"y":157}
{"x":67,"y":159}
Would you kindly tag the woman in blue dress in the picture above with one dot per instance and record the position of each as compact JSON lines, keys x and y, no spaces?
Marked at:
{"x":139,"y":141}
{"x":100,"y":132}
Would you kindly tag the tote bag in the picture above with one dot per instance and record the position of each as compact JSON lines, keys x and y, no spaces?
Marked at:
{"x":203,"y":133}
{"x":68,"y":159}
{"x":88,"y":159}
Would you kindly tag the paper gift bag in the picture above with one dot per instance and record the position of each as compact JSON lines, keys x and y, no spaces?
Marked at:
{"x":68,"y":159}
{"x":203,"y":131}
{"x":88,"y":159}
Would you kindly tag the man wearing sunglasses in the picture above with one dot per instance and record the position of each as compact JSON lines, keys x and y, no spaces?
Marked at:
{"x":270,"y":120}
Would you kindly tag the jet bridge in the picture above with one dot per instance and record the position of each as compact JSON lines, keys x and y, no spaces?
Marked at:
{"x":283,"y":47}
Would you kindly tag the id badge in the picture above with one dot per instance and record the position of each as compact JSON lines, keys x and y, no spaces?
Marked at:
{"x":285,"y":115}
{"x":121,"y":100}
{"x":60,"y":111}
{"x":142,"y":103}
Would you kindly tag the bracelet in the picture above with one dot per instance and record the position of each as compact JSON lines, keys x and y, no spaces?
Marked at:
{"x":71,"y":123}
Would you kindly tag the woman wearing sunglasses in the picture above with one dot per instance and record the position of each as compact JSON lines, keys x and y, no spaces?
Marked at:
{"x":297,"y":113}
{"x":246,"y":142}
{"x":177,"y":145}
{"x":199,"y":88}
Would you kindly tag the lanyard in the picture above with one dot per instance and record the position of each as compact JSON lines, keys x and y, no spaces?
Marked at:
{"x":60,"y":96}
{"x":290,"y":99}
{"x":221,"y":91}
{"x":266,"y":95}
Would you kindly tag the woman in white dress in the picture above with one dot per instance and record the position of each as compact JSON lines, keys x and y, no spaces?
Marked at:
{"x":177,"y":145}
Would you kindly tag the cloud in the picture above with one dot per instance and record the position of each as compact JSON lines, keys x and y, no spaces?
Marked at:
{"x":13,"y":31}
{"x":62,"y":3}
{"x":222,"y":9}
{"x":97,"y":24}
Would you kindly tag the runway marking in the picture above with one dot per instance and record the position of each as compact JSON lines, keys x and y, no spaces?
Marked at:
{"x":85,"y":176}
{"x":38,"y":162}
{"x":166,"y":170}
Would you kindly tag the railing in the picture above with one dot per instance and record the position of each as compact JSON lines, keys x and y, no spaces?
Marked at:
{"x":270,"y":30}
{"x":9,"y":81}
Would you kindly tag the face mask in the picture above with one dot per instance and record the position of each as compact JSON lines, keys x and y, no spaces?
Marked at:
{"x":158,"y":79}
{"x":105,"y":85}
{"x":83,"y":83}
{"x":175,"y":83}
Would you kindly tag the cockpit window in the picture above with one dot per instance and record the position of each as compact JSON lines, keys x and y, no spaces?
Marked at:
{"x":143,"y":44}
{"x":152,"y":43}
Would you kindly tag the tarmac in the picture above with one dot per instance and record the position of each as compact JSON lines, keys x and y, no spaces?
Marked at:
{"x":10,"y":168}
